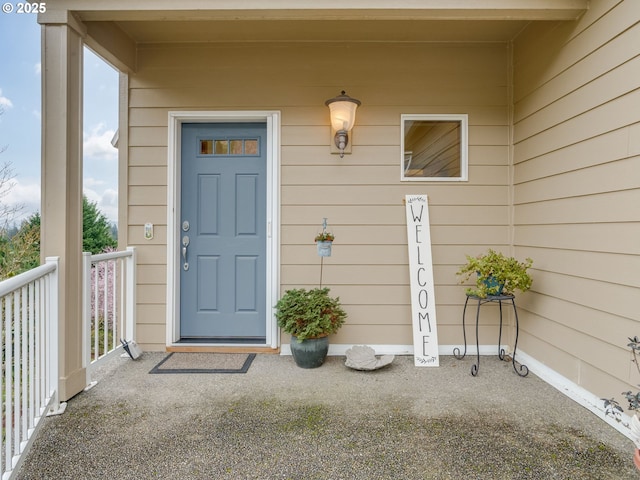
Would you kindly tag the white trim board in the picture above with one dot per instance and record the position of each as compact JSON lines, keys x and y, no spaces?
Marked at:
{"x":175,"y":121}
{"x":341,"y":349}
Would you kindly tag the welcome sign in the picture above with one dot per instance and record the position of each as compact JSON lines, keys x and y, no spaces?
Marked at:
{"x":423,"y":305}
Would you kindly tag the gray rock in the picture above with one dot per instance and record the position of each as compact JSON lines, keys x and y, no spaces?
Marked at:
{"x":362,"y":357}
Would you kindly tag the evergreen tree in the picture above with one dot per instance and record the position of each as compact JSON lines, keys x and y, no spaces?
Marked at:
{"x":22,"y":251}
{"x":96,"y":231}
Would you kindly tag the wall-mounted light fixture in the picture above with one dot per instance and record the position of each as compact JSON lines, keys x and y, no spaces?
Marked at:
{"x":343,"y":115}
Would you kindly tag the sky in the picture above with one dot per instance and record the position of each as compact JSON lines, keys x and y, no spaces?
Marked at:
{"x":20,"y":129}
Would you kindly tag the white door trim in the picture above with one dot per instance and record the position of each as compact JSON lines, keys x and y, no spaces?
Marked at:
{"x":176,"y":119}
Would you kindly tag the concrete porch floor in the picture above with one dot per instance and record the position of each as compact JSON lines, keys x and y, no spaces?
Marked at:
{"x":278,"y":421}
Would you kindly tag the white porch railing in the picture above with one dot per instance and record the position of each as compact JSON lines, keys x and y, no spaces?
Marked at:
{"x":29,"y":378}
{"x":109,"y":301}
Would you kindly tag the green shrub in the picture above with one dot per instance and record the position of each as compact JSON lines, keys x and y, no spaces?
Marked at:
{"x":309,"y":313}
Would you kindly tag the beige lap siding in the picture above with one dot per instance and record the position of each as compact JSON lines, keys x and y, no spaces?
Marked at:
{"x":361,"y":195}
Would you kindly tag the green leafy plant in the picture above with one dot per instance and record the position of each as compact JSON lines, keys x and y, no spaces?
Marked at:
{"x":611,"y":405}
{"x":325,"y":237}
{"x":309,"y":313}
{"x":493,"y":270}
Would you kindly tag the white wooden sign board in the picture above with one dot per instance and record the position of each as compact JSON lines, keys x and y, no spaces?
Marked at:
{"x":423,"y":304}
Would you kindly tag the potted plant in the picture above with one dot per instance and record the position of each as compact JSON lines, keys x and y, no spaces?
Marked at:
{"x":309,"y":316}
{"x":496,"y":273}
{"x":324,"y":241}
{"x":613,"y":407}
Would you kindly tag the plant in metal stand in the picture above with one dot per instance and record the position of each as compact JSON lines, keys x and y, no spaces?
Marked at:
{"x":496,"y":274}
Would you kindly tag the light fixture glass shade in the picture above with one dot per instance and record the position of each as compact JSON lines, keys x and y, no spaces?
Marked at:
{"x":343,"y":112}
{"x":343,"y":115}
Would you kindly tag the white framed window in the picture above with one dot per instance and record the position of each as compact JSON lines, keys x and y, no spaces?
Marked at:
{"x":434,"y":147}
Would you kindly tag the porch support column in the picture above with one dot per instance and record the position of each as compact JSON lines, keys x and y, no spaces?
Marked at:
{"x":61,"y":220}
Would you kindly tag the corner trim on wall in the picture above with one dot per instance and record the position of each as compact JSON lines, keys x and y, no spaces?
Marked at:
{"x":123,"y":159}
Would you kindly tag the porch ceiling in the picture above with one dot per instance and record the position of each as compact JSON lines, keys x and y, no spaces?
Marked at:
{"x":329,"y":10}
{"x":114,"y":28}
{"x":145,"y":32}
{"x":167,"y":21}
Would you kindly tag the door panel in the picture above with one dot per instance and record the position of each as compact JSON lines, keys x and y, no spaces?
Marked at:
{"x":223,"y":287}
{"x":208,"y":204}
{"x":246,"y":286}
{"x":247,"y":205}
{"x":207,"y":276}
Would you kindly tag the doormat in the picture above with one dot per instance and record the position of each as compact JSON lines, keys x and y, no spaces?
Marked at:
{"x":198,"y":362}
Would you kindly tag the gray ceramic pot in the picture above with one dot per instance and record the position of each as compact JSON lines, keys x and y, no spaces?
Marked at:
{"x":309,"y":353}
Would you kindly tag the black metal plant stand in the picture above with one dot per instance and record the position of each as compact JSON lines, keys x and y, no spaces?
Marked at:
{"x":521,"y":370}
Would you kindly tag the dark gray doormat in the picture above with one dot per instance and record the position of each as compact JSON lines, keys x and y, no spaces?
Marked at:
{"x":197,"y":362}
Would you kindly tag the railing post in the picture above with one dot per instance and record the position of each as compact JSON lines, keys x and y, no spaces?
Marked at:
{"x":86,"y":315}
{"x":130,"y":312}
{"x":53,"y":349}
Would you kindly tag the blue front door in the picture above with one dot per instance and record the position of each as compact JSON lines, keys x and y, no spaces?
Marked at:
{"x":223,"y":233}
